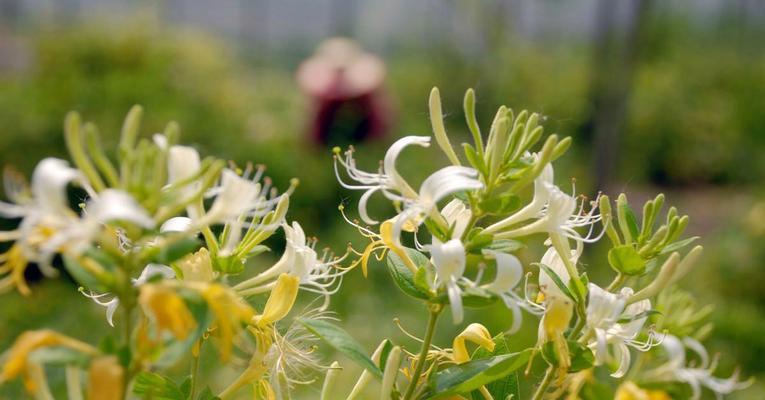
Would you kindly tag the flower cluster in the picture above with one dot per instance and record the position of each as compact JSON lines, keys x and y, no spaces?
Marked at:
{"x":161,"y":239}
{"x":458,"y":242}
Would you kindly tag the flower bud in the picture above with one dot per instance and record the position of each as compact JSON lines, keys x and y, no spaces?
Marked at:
{"x":475,"y":333}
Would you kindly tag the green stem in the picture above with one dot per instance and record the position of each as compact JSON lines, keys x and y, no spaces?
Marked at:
{"x":195,"y":371}
{"x":434,"y":312}
{"x":618,"y":281}
{"x":544,"y":384}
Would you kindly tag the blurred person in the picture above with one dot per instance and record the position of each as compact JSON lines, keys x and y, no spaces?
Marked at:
{"x":345,"y":86}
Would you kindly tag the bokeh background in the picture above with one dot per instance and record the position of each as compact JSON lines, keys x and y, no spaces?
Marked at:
{"x":659,"y":96}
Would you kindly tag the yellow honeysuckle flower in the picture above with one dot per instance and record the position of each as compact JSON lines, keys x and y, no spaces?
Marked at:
{"x":166,"y":309}
{"x":557,"y":317}
{"x":197,"y":267}
{"x":280,"y":301}
{"x":230,"y":311}
{"x":631,"y":391}
{"x":106,"y":379}
{"x":16,"y":358}
{"x":475,"y":333}
{"x":383,"y":241}
{"x":13,"y":264}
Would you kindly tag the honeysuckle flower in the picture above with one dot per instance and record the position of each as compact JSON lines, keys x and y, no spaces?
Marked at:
{"x":176,"y":225}
{"x":16,"y":360}
{"x":558,"y":313}
{"x":386,"y":180}
{"x":300,"y":260}
{"x":106,"y":378}
{"x":696,"y":376}
{"x":449,"y":261}
{"x":442,"y":183}
{"x":197,"y":267}
{"x":231,"y":313}
{"x":45,"y":212}
{"x":457,"y":215}
{"x":280,"y":301}
{"x":509,"y":274}
{"x":475,"y":333}
{"x":547,"y":285}
{"x":613,"y":339}
{"x":167,"y":310}
{"x":631,"y":391}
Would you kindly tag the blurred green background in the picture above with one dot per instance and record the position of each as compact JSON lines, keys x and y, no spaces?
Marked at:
{"x":658,"y":96}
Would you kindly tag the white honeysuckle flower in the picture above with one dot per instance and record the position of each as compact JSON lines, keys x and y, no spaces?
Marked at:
{"x":116,"y":205}
{"x":386,"y":180}
{"x":44,"y":209}
{"x":149,"y":272}
{"x":696,"y":376}
{"x":552,"y":259}
{"x":317,"y":274}
{"x":182,"y":163}
{"x":611,"y":339}
{"x":176,"y":224}
{"x":457,"y":215}
{"x":449,"y":261}
{"x":509,"y":274}
{"x":240,"y":203}
{"x":442,"y":183}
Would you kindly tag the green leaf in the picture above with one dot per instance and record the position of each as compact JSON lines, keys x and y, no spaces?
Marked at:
{"x":558,"y":282}
{"x":677,"y":245}
{"x":625,"y":259}
{"x":472,"y":375}
{"x":341,"y":341}
{"x":174,"y":250}
{"x":581,"y":356}
{"x":501,"y":388}
{"x":477,"y":241}
{"x":500,"y":204}
{"x":149,"y":385}
{"x":404,"y":278}
{"x":207,"y":394}
{"x":387,"y":347}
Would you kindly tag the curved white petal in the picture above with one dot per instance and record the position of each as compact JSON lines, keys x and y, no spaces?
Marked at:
{"x":509,"y":272}
{"x":389,"y":162}
{"x":152,"y":270}
{"x":182,"y":162}
{"x":176,"y":224}
{"x":449,"y":260}
{"x":623,"y":357}
{"x":455,"y":301}
{"x":49,"y":180}
{"x":113,"y":205}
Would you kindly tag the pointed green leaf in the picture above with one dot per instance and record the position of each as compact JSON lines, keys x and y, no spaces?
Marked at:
{"x":340,"y":340}
{"x":471,"y":375}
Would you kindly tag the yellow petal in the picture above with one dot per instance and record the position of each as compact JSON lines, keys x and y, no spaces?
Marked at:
{"x":231,"y":314}
{"x":106,"y":377}
{"x":14,"y":264}
{"x":386,"y":234}
{"x":280,"y":301}
{"x":474,"y":333}
{"x":631,"y":391}
{"x":167,"y":310}
{"x":27,"y":342}
{"x":197,"y":267}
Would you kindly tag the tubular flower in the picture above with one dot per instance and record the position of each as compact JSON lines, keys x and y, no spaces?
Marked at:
{"x":458,"y":216}
{"x":106,"y":377}
{"x":555,"y":321}
{"x":604,"y":310}
{"x":197,"y":267}
{"x":315,"y":274}
{"x":386,"y":180}
{"x":475,"y":333}
{"x":45,"y":213}
{"x":509,"y":274}
{"x":16,"y":359}
{"x":547,"y":285}
{"x":230,"y":311}
{"x":444,"y":182}
{"x":280,"y":301}
{"x":697,"y":377}
{"x":449,"y":260}
{"x":167,"y":310}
